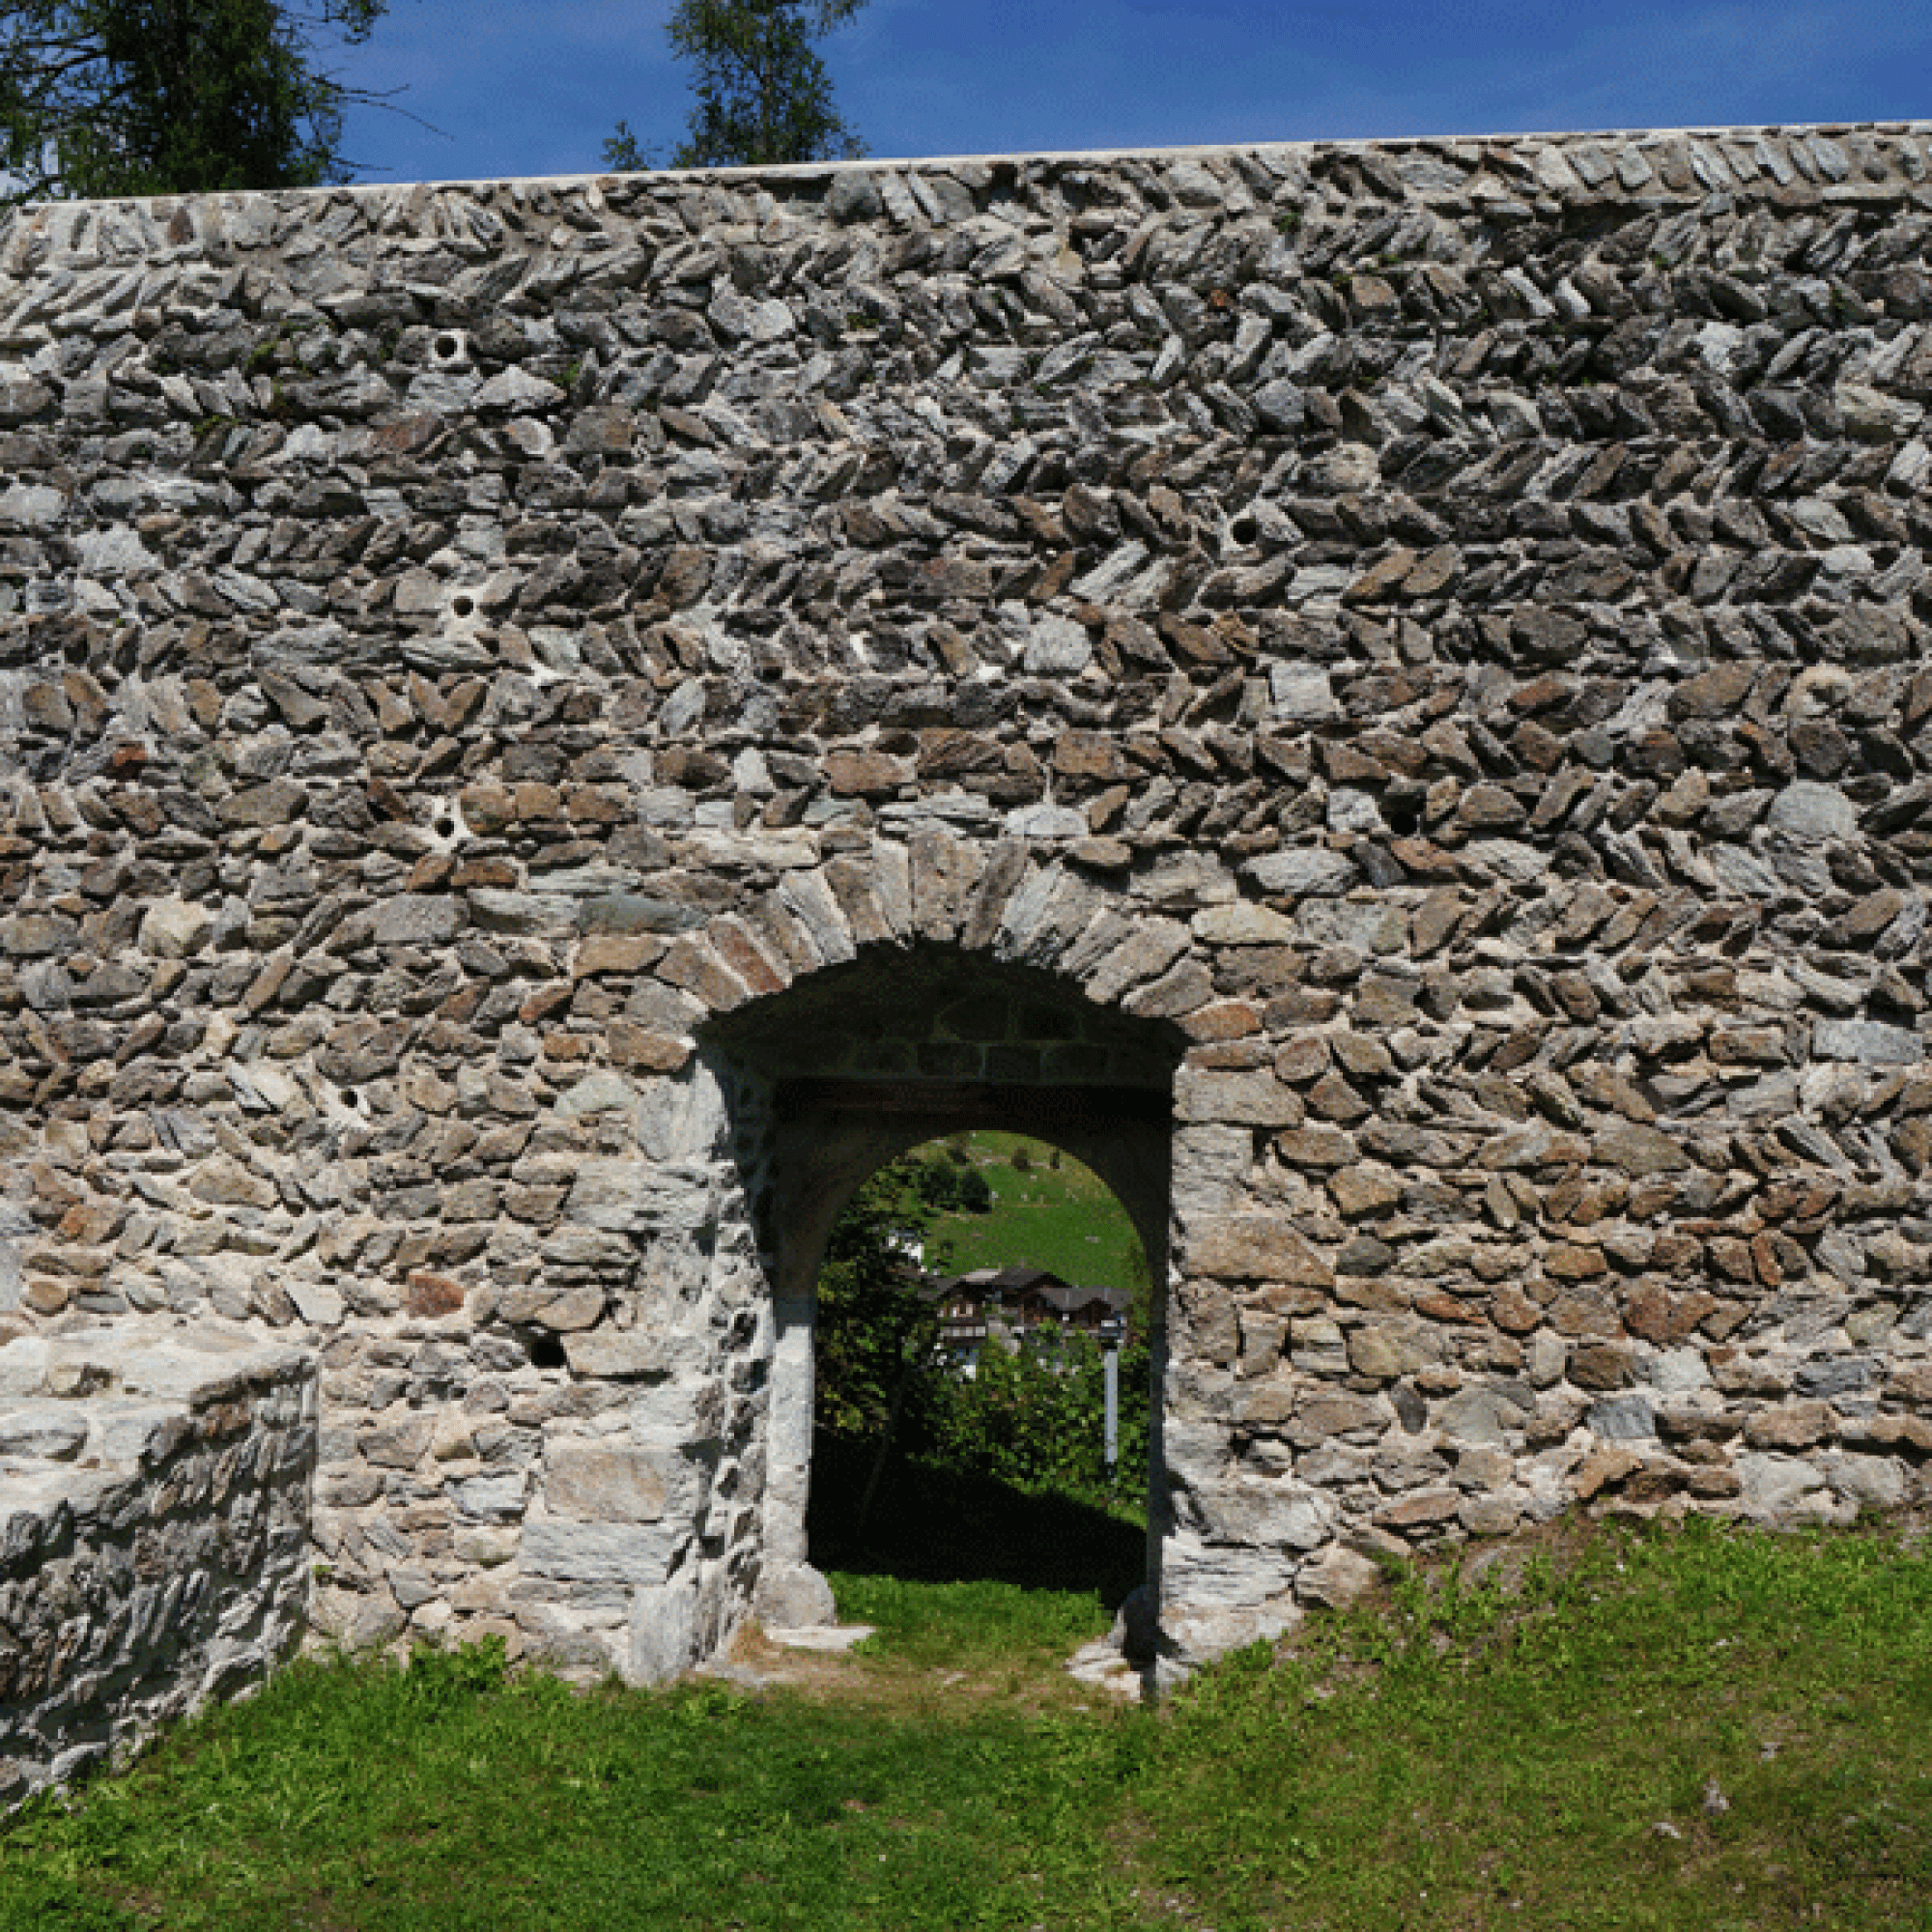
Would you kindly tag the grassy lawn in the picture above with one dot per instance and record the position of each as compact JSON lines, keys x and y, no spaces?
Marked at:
{"x":1698,"y":1729}
{"x":1063,"y":1218}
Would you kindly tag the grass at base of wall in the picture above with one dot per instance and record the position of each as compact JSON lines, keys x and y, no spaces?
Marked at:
{"x":1701,"y":1728}
{"x":1709,"y":1728}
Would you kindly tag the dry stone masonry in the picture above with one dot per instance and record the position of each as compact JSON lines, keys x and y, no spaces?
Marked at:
{"x":543,"y":722}
{"x":155,"y":1483}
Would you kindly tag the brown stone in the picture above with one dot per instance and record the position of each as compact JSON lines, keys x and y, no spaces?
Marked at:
{"x":399,"y":1444}
{"x":1332,"y":1099}
{"x":864,"y":774}
{"x":1650,"y":1312}
{"x":1422,"y":1511}
{"x":1567,"y":1261}
{"x":1224,"y":1019}
{"x":1490,"y":1515}
{"x":633,"y":1045}
{"x":1253,"y":1099}
{"x":1714,"y":1485}
{"x":1653,"y":1481}
{"x":1729,"y":1257}
{"x":1489,"y":807}
{"x":617,"y":952}
{"x":1102,"y":855}
{"x":1379,"y":1353}
{"x":1600,"y":1365}
{"x":1380,"y":579}
{"x":45,"y":1293}
{"x":1581,"y":1310}
{"x":1089,"y":755}
{"x":1718,"y":692}
{"x":1795,"y":1425}
{"x":1361,"y":1191}
{"x":1640,"y":1151}
{"x":1254,"y":1247}
{"x":949,"y":753}
{"x":1423,"y":859}
{"x":1316,"y":1146}
{"x":1912,"y":1433}
{"x":434,"y":1294}
{"x":1602,"y":1469}
{"x":1910,"y":1381}
{"x":1440,"y":1307}
{"x":276,"y":803}
{"x":694,"y":967}
{"x":1303,"y":1059}
{"x":1514,"y":1312}
{"x":736,"y":948}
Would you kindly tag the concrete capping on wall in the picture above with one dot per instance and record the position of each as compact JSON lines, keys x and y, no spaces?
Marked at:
{"x":1766,"y":145}
{"x":154,"y":1484}
{"x":1438,"y":626}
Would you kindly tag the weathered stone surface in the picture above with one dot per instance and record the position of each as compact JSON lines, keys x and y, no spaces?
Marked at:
{"x":599,"y":1552}
{"x":414,"y":920}
{"x":794,"y":1596}
{"x":1254,"y":1247}
{"x":1869,"y":1042}
{"x":1306,"y":872}
{"x":665,"y":1633}
{"x":1339,"y":1577}
{"x":171,"y":1563}
{"x":1440,"y":750}
{"x":617,"y":1354}
{"x":601,"y":1482}
{"x":1640,"y":1151}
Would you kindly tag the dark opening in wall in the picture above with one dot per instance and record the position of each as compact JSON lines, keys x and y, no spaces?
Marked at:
{"x":978,"y":1297}
{"x":544,"y":1350}
{"x":856,"y":1066}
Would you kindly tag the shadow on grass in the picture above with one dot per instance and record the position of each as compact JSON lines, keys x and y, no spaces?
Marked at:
{"x":933,"y":1525}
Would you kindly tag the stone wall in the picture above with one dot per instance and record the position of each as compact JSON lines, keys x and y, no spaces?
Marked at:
{"x":1413,"y":653}
{"x":153,"y":1532}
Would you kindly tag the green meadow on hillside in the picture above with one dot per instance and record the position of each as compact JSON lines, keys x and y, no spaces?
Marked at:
{"x":1059,"y":1216}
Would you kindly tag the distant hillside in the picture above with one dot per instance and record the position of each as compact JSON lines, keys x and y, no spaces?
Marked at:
{"x":1060,"y":1217}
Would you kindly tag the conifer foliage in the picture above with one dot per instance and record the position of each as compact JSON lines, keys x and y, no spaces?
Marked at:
{"x":103,"y":98}
{"x":763,"y":95}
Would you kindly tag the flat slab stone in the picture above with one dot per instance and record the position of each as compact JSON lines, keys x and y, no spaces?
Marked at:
{"x":822,"y":1637}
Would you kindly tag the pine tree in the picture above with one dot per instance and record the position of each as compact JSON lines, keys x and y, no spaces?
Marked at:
{"x":763,"y":95}
{"x":101,"y":97}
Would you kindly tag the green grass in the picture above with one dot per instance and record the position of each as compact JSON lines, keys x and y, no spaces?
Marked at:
{"x":969,"y":1574}
{"x":1063,"y":1218}
{"x":1542,"y":1757}
{"x":1473,"y":1753}
{"x":403,"y":1802}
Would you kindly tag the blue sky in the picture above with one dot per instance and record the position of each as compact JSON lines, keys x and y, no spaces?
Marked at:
{"x":531,"y":87}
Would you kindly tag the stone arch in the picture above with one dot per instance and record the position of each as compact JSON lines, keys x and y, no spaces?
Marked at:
{"x":855,"y":1063}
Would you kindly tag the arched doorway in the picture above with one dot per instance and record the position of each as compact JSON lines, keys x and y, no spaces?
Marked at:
{"x":983,"y":1376}
{"x":855,"y":1065}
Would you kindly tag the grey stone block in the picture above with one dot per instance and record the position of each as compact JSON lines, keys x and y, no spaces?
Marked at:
{"x":600,"y":1481}
{"x":600,"y":1553}
{"x":664,"y":1632}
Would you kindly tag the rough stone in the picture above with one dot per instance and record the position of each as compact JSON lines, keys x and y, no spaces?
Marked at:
{"x":537,"y":783}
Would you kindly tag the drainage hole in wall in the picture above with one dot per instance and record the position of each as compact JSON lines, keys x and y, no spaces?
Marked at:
{"x":350,"y":1097}
{"x":464,"y":607}
{"x":448,"y":347}
{"x":545,"y":1351}
{"x":445,"y":826}
{"x":1402,"y":808}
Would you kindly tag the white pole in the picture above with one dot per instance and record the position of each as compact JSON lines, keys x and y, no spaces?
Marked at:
{"x":1113,"y":1374}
